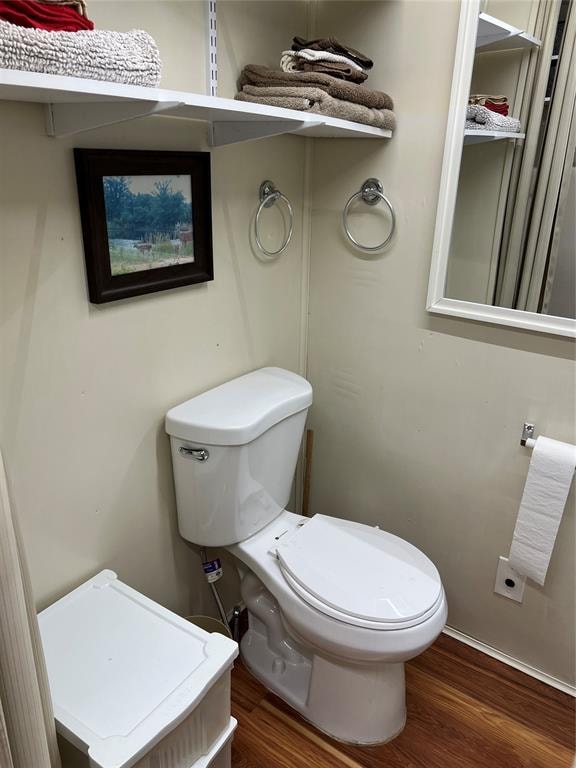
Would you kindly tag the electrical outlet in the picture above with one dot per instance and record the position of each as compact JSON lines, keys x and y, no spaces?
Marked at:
{"x":509,"y":582}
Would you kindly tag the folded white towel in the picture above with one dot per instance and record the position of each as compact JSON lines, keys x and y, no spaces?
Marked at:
{"x":121,"y":57}
{"x":289,"y":59}
{"x":484,"y":119}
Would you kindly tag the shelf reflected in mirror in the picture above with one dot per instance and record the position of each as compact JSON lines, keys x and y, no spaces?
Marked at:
{"x":505,"y":243}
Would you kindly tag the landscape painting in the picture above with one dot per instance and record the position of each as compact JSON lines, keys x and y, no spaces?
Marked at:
{"x":146,"y":220}
{"x":149,"y":221}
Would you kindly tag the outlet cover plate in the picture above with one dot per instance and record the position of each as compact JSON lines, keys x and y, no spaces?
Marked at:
{"x":509,"y":582}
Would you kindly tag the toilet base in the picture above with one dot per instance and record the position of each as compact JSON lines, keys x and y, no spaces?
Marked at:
{"x":351,"y":702}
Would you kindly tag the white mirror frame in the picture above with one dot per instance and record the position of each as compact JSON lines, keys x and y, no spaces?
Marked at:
{"x":436,"y":302}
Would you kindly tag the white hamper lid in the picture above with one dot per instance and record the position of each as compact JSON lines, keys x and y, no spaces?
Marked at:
{"x":123,"y":670}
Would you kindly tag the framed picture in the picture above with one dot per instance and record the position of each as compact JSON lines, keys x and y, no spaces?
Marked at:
{"x":146,"y":220}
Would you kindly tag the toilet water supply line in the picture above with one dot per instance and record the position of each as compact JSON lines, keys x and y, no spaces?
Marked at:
{"x":213,"y":572}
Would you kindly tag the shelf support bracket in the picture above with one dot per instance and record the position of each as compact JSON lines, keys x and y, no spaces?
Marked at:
{"x":233,"y":132}
{"x":68,"y":119}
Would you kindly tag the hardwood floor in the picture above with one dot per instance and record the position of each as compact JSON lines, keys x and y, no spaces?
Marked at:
{"x":465,"y":710}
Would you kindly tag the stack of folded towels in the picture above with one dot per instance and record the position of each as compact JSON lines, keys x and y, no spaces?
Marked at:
{"x":321,"y":76}
{"x":56,"y":37}
{"x":490,"y":113}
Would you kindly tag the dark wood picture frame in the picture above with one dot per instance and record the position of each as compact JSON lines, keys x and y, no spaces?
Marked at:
{"x":92,"y":165}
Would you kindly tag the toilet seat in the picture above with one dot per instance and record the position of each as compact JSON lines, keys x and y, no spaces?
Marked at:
{"x":339,"y":634}
{"x":359,"y":575}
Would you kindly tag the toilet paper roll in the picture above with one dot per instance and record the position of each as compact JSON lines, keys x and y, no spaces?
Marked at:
{"x":547,"y":486}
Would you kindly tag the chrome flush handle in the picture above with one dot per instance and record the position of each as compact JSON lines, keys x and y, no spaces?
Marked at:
{"x":198,"y":454}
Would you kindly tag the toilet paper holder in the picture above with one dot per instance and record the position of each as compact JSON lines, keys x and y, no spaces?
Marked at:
{"x":527,"y":438}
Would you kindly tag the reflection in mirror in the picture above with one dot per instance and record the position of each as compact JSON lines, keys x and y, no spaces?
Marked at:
{"x":513,"y":238}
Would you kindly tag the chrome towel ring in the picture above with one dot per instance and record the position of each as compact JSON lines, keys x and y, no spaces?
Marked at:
{"x":371,"y":192}
{"x":268,"y":196}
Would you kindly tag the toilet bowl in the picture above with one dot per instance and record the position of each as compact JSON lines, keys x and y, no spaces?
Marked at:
{"x":335,"y":607}
{"x":311,"y":642}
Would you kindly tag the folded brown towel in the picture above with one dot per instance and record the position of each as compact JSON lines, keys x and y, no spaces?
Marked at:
{"x":286,"y":102}
{"x":253,"y":74}
{"x":334,"y":68}
{"x":333,"y":46}
{"x":318,"y":101}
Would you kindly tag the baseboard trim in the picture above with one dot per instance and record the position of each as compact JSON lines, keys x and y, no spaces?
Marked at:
{"x":512,"y":662}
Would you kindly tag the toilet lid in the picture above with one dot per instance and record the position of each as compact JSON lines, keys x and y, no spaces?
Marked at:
{"x":359,"y":571}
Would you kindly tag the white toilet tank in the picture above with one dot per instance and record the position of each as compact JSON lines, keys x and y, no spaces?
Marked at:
{"x":234,"y":453}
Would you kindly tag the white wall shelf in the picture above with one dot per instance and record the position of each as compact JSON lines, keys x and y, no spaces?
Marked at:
{"x":479,"y":137}
{"x":76,"y":105}
{"x":496,"y":35}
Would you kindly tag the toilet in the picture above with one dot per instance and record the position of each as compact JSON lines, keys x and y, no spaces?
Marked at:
{"x":335,"y":607}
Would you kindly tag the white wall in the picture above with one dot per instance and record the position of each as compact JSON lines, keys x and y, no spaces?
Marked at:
{"x":84,"y":388}
{"x":476,"y":234}
{"x":417,"y":419}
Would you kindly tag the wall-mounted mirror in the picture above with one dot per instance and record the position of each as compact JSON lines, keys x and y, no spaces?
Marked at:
{"x":505,"y":241}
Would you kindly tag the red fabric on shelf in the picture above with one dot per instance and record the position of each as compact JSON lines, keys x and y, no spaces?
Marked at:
{"x":501,"y":109}
{"x":52,"y":18}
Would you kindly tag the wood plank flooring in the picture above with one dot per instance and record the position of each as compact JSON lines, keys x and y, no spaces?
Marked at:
{"x":465,"y":710}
